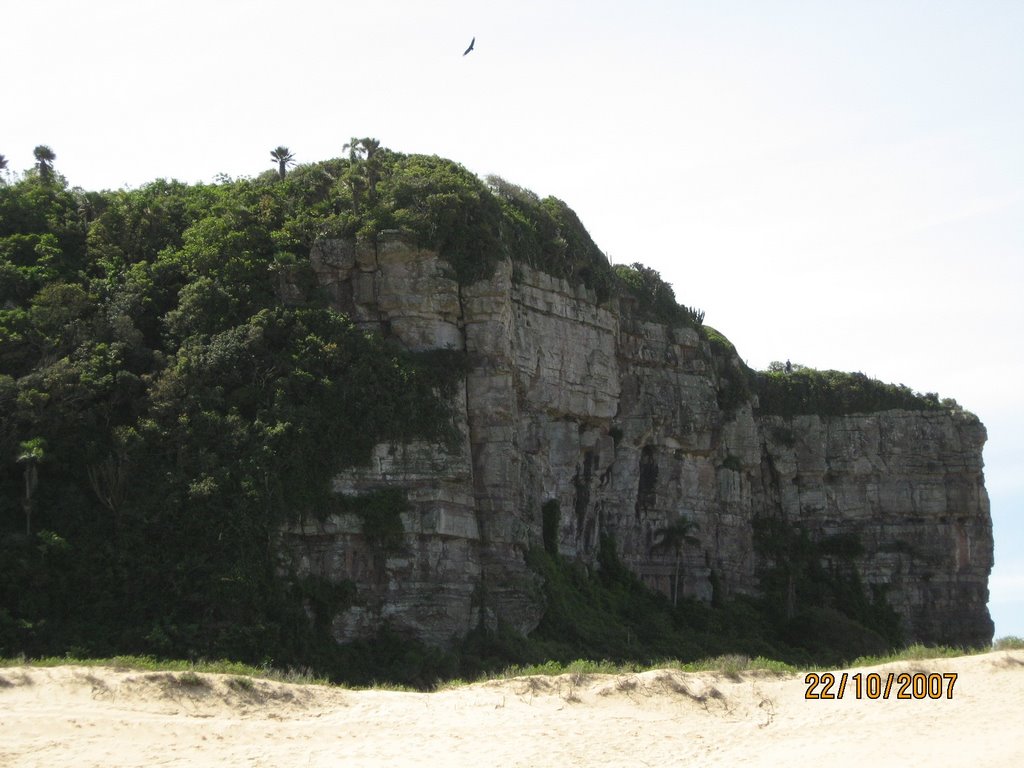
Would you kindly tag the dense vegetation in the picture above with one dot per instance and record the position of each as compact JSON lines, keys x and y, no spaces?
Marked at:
{"x":163,"y":414}
{"x":791,"y":390}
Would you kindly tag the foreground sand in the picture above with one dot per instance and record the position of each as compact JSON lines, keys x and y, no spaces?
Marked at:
{"x":100,"y":716}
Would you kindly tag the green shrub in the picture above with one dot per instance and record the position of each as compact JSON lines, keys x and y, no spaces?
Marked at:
{"x":720,"y":345}
{"x":326,"y":599}
{"x":831,"y":637}
{"x":806,"y":391}
{"x":381,"y":515}
{"x":242,"y":684}
{"x":654,"y":298}
{"x":190,"y":679}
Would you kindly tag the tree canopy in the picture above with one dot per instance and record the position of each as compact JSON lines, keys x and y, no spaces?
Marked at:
{"x":284,"y":159}
{"x":44,"y":161}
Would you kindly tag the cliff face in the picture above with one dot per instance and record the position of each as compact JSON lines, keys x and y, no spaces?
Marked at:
{"x":910,"y":486}
{"x":619,"y":421}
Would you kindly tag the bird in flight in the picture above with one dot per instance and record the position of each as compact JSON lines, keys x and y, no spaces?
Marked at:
{"x":471,"y":42}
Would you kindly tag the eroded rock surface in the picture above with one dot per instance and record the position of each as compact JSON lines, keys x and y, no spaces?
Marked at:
{"x":619,"y":421}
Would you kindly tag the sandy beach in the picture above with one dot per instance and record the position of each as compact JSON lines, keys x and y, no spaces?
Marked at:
{"x":102,"y":716}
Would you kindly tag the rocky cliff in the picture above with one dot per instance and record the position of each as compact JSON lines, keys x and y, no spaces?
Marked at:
{"x":583,"y":417}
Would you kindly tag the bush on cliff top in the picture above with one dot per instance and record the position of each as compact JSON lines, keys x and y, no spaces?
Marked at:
{"x":786,"y":389}
{"x":655,"y":299}
{"x":802,"y":391}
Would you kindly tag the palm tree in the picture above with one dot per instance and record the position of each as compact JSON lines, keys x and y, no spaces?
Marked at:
{"x":354,"y":174}
{"x":355,"y":149}
{"x":44,"y":161}
{"x":283,"y":158}
{"x":370,"y":147}
{"x":676,"y":537}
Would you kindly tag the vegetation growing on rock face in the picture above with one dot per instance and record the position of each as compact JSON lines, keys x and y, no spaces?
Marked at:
{"x":809,"y":584}
{"x":655,"y":299}
{"x":162,"y":415}
{"x":186,"y":415}
{"x":734,"y":377}
{"x":380,"y":514}
{"x":548,"y":236}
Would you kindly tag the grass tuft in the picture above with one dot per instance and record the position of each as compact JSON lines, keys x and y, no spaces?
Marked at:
{"x":191,"y":679}
{"x":1009,"y":643}
{"x":242,"y":684}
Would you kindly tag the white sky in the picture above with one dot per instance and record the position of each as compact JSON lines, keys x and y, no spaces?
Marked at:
{"x":836,"y":183}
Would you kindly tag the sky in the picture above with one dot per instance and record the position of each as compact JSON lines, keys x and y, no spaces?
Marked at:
{"x":836,"y":183}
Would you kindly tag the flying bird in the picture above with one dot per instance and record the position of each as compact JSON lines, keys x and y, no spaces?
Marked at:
{"x":471,"y":42}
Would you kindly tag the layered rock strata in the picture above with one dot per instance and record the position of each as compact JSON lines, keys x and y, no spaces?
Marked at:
{"x":619,"y":421}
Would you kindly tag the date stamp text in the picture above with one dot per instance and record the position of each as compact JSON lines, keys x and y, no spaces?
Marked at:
{"x":892,"y":685}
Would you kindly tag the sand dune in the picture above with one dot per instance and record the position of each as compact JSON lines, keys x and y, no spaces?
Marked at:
{"x":99,"y":716}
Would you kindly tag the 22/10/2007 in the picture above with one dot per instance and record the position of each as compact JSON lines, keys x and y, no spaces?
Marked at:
{"x":875,"y":686}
